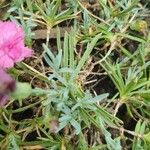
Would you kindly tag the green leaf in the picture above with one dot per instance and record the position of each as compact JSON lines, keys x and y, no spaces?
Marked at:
{"x":97,"y":98}
{"x":12,"y":145}
{"x":76,"y":125}
{"x":86,"y":55}
{"x":147,"y":137}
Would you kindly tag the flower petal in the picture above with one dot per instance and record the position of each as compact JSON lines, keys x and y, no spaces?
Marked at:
{"x":5,"y":79}
{"x":26,"y":52}
{"x":6,"y":62}
{"x":12,"y":47}
{"x":10,"y":32}
{"x":3,"y":99}
{"x":7,"y":85}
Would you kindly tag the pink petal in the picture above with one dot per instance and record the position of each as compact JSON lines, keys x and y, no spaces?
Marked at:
{"x":26,"y":52}
{"x":15,"y":53}
{"x":4,"y":76}
{"x":10,"y":32}
{"x":3,"y":99}
{"x":1,"y":53}
{"x":7,"y":85}
{"x":6,"y":62}
{"x":12,"y":47}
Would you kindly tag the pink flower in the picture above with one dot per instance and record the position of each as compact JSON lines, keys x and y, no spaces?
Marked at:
{"x":7,"y":85}
{"x":3,"y":99}
{"x":12,"y":48}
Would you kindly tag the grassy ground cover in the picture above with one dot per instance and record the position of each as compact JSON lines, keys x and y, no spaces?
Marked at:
{"x":87,"y":84}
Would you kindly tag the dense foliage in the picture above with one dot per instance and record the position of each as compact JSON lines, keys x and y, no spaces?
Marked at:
{"x":86,"y":85}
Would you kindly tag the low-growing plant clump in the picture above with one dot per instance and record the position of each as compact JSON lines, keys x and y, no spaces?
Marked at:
{"x":74,"y":75}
